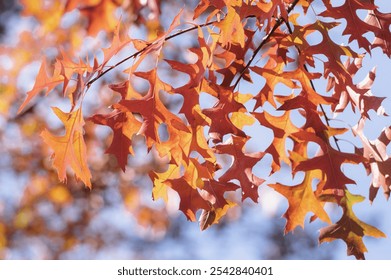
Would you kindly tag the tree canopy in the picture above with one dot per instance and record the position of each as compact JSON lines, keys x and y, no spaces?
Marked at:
{"x":212,"y":90}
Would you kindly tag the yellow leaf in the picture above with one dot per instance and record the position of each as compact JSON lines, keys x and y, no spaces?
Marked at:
{"x":159,"y":186}
{"x":240,"y":119}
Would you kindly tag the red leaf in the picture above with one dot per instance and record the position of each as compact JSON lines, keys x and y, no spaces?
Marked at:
{"x":124,"y":126}
{"x":190,"y":199}
{"x":241,"y":167}
{"x":329,"y":161}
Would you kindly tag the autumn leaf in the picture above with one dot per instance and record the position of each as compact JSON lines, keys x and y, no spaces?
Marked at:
{"x":329,"y":161}
{"x":116,"y":45}
{"x":152,"y":109}
{"x":124,"y":126}
{"x":361,"y":97}
{"x":380,"y":23}
{"x":350,"y":228}
{"x":272,"y":73}
{"x":190,"y":199}
{"x":282,"y":128}
{"x":302,"y":200}
{"x":214,"y":192}
{"x":354,"y":27}
{"x":312,"y":118}
{"x":159,"y":181}
{"x":231,"y":27}
{"x":332,"y":51}
{"x":42,"y":82}
{"x":378,"y":161}
{"x":69,"y":149}
{"x":241,"y":167}
{"x":221,"y":124}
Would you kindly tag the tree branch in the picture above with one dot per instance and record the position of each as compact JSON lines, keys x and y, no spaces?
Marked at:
{"x":278,"y":23}
{"x":134,"y":55}
{"x":313,"y":87}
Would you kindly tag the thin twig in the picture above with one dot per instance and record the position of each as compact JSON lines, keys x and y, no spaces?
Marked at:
{"x":143,"y":49}
{"x":265,"y":39}
{"x":313,"y":87}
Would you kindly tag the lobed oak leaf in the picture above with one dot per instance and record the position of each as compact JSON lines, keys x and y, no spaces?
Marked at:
{"x":197,"y":190}
{"x":159,"y":181}
{"x":213,"y":216}
{"x":219,"y":115}
{"x":267,"y":11}
{"x":177,"y":147}
{"x":151,"y":109}
{"x":241,"y":167}
{"x":301,"y":199}
{"x":197,"y":141}
{"x":333,"y":52}
{"x":240,"y":119}
{"x":190,"y":199}
{"x":126,"y":90}
{"x":196,"y":173}
{"x":233,"y":57}
{"x":329,"y":161}
{"x":69,"y":149}
{"x":196,"y":70}
{"x":312,"y":116}
{"x":380,"y":26}
{"x":375,"y":152}
{"x":124,"y":126}
{"x":355,"y":27}
{"x":116,"y":45}
{"x":360,"y":97}
{"x":214,"y":192}
{"x":231,"y":27}
{"x":282,"y":128}
{"x":68,"y":69}
{"x":350,"y":229}
{"x":273,"y":74}
{"x":42,"y":82}
{"x":214,"y":7}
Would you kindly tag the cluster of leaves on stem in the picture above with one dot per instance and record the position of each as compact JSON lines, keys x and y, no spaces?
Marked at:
{"x":238,"y":41}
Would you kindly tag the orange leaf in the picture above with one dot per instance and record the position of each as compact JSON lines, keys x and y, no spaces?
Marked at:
{"x":70,"y":149}
{"x":350,"y":229}
{"x":42,"y":82}
{"x":301,"y":199}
